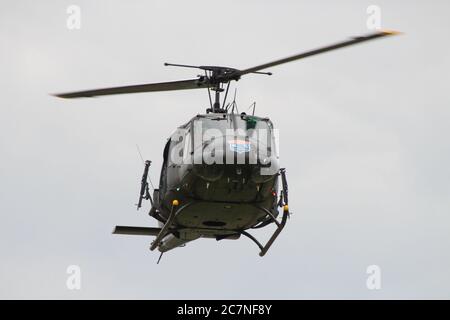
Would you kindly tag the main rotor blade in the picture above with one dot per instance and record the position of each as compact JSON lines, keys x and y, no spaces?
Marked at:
{"x":162,"y":86}
{"x":338,"y":45}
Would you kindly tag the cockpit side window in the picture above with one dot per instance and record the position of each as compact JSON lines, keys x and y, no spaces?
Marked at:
{"x":177,"y":147}
{"x":163,"y":175}
{"x":187,"y":156}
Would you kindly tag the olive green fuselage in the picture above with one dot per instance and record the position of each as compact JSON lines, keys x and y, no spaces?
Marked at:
{"x":219,"y":198}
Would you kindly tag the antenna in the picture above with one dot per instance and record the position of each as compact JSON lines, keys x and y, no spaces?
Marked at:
{"x":254,"y":107}
{"x":160,"y":256}
{"x":234,"y":104}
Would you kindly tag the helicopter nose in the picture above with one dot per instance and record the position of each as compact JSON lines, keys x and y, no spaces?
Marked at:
{"x":230,"y":155}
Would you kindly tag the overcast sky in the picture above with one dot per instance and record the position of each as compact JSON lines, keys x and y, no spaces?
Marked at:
{"x":364,"y":137}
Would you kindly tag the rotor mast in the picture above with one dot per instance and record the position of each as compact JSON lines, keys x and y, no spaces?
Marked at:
{"x":216,"y":106}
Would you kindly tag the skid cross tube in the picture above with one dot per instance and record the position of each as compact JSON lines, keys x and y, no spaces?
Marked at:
{"x":270,"y":214}
{"x":248,"y":235}
{"x":284,"y":202}
{"x":284,"y":185}
{"x":276,"y":233}
{"x":280,"y":225}
{"x":269,"y":243}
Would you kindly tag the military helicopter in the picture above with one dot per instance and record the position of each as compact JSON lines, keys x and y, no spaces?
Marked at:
{"x":220,"y":173}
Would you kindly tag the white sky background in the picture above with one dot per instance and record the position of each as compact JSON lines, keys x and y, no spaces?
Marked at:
{"x":364,"y":138}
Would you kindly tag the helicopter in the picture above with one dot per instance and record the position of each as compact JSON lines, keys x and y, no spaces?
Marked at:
{"x":220,"y":175}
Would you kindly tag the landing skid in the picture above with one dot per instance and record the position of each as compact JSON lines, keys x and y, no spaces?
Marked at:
{"x":269,"y":243}
{"x":283,"y":202}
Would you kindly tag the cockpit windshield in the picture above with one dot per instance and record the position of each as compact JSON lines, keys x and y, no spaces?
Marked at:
{"x":224,"y":134}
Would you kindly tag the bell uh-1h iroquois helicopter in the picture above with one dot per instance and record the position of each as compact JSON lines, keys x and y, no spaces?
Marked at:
{"x":219,"y":199}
